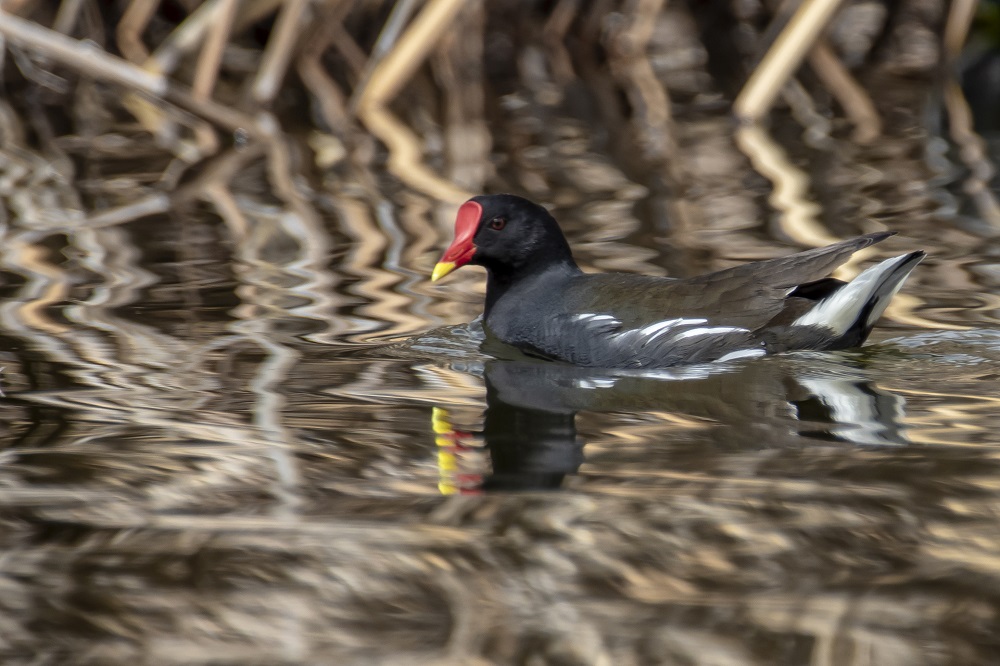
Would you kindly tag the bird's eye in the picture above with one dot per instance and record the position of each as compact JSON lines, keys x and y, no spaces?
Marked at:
{"x":498,"y":223}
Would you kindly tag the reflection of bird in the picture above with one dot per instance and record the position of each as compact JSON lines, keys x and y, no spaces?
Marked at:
{"x":529,"y":429}
{"x":530,"y":448}
{"x":752,"y":404}
{"x":540,"y":302}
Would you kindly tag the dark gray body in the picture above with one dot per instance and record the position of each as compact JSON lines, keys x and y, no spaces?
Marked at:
{"x":620,"y":320}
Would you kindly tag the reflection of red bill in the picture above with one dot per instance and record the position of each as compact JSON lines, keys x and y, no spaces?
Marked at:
{"x":460,"y":252}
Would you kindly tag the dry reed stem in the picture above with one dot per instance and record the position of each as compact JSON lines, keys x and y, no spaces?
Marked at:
{"x":852,"y":97}
{"x":131,"y":26}
{"x":278,"y":51}
{"x":398,"y":17}
{"x":98,"y":64}
{"x":207,"y":70}
{"x":652,"y":111}
{"x":14,"y":6}
{"x":66,"y":17}
{"x":330,"y":32}
{"x":185,"y":38}
{"x":222,"y":115}
{"x":554,"y":31}
{"x":783,"y":58}
{"x":164,"y":60}
{"x":387,"y":79}
{"x":81,"y":56}
{"x":956,"y":29}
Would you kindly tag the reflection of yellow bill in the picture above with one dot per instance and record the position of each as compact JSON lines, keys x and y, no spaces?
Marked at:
{"x":447,"y":464}
{"x":440,"y":421}
{"x":453,"y":454}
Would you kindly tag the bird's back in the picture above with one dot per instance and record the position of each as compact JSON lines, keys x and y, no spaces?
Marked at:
{"x":625,"y":320}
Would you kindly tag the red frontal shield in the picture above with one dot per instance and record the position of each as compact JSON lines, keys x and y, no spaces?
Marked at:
{"x":461,"y":249}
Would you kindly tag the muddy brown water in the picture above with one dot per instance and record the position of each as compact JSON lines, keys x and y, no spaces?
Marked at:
{"x":292,"y":450}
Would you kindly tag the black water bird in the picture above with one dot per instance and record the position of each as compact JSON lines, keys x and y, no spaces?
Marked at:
{"x":540,"y":302}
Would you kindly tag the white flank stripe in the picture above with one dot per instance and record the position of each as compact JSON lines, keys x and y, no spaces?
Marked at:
{"x":741,"y":353}
{"x":595,"y":383}
{"x":661,"y":326}
{"x":594,"y":317}
{"x":717,"y":330}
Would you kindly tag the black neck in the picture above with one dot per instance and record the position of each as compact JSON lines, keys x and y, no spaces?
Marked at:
{"x":499,"y":283}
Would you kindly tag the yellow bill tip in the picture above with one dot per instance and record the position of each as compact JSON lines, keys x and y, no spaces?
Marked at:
{"x":441,"y":269}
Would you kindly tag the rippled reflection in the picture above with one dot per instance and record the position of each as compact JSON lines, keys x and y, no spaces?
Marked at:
{"x":227,"y":425}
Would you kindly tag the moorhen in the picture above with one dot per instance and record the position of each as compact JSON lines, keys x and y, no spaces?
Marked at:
{"x":540,"y":302}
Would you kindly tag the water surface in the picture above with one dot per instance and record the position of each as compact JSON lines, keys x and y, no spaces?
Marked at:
{"x":200,"y":466}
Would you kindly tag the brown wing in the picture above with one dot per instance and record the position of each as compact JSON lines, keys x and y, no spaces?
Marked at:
{"x":749,"y":295}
